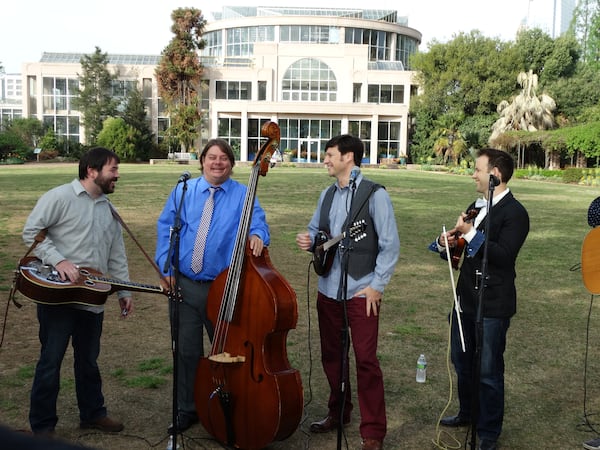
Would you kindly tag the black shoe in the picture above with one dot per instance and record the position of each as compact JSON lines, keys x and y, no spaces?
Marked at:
{"x":183,"y":423}
{"x":455,"y":421}
{"x":326,"y":425}
{"x":486,"y":444}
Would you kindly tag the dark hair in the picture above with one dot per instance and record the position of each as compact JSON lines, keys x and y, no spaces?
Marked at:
{"x":347,"y":143}
{"x":500,"y":159}
{"x":223,"y":145}
{"x":95,"y":158}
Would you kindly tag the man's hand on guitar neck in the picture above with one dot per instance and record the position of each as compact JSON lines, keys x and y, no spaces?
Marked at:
{"x":68,"y":271}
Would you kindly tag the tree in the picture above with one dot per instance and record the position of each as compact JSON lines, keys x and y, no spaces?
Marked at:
{"x":179,"y":75}
{"x":585,"y":28}
{"x":119,"y":137}
{"x":49,"y":141}
{"x":533,"y":48}
{"x":95,"y":100}
{"x":527,"y":111}
{"x":30,"y":130}
{"x":135,"y":116}
{"x":466,"y":77}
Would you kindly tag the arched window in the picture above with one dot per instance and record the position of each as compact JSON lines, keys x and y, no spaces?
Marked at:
{"x":309,"y":80}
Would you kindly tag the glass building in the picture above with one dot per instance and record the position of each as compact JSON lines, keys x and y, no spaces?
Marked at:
{"x":317,"y":72}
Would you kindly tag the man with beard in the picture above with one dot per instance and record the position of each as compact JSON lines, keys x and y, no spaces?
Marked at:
{"x":81,"y":232}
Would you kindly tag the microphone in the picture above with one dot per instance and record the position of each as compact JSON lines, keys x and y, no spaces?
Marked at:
{"x":184,"y":177}
{"x":354,"y":174}
{"x":494,"y":180}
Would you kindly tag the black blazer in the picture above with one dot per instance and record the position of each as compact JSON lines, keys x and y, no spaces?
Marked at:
{"x":508,"y":230}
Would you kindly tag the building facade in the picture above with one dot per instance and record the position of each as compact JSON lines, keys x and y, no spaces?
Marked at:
{"x":317,"y":72}
{"x":11,"y":97}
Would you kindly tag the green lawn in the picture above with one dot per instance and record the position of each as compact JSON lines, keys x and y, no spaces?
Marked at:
{"x":547,"y":340}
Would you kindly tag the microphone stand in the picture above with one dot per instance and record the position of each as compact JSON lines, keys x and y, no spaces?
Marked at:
{"x":175,"y":297}
{"x":482,"y":278}
{"x":343,"y":296}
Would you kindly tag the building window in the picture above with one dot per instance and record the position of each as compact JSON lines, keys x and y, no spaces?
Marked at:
{"x":240,"y":41}
{"x":255,"y":140}
{"x":230,"y":129}
{"x":316,"y":34}
{"x":262,"y":90}
{"x":379,"y":42}
{"x":57,"y":94}
{"x":122,"y":88}
{"x":362,"y":130}
{"x":309,"y":80}
{"x":386,"y":93}
{"x":388,"y":143}
{"x":356,"y":88}
{"x":234,"y":90}
{"x":213,"y":44}
{"x":405,"y":47}
{"x":303,"y":138}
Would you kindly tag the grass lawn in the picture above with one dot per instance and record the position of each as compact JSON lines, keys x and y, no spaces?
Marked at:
{"x":547,"y":341}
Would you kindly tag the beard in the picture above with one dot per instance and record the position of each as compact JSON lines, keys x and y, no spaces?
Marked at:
{"x":106,"y":184}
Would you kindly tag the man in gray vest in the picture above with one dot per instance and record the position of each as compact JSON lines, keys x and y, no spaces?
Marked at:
{"x":353,"y":274}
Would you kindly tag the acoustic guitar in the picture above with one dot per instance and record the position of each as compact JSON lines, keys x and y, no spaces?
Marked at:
{"x":590,"y":261}
{"x":324,"y":246}
{"x":42,"y":284}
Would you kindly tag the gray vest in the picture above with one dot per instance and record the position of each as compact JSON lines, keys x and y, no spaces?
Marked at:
{"x":363,"y":252}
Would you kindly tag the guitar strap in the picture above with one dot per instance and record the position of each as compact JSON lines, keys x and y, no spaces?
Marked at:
{"x":124,"y":225}
{"x":36,"y":240}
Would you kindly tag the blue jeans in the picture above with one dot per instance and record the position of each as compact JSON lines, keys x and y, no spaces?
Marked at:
{"x":58,"y":324}
{"x":491,"y":380}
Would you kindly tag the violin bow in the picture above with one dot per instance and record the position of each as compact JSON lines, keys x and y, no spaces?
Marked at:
{"x":456,"y":306}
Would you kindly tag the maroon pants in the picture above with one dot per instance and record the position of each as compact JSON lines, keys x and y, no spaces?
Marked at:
{"x":369,"y":379}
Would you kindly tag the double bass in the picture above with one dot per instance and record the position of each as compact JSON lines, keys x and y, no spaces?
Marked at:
{"x":246,"y":393}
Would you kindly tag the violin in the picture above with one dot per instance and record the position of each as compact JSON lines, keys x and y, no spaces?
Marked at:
{"x":459,"y":248}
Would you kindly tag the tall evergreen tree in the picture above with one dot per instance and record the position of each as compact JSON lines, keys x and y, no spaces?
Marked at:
{"x":179,"y":75}
{"x":95,"y":100}
{"x":135,"y":116}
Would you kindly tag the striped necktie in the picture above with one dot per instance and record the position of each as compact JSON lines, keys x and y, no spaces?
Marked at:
{"x":200,"y":243}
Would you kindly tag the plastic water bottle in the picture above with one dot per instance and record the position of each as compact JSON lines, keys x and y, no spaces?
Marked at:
{"x":421,"y":369}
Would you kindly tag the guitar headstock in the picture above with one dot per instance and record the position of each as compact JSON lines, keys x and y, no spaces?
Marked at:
{"x":357,"y":230}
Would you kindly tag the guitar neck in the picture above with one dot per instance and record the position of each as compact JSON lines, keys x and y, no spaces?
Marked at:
{"x":333,"y":241}
{"x":129,"y":285}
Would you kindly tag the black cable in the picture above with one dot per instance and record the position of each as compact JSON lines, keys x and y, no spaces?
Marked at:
{"x":587,"y":425}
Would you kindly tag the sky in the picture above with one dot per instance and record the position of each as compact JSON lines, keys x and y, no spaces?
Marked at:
{"x":31,"y":27}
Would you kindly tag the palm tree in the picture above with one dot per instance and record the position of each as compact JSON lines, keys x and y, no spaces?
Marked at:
{"x":527,"y":112}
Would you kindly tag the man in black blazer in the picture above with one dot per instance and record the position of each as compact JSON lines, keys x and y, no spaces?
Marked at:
{"x":505,"y":233}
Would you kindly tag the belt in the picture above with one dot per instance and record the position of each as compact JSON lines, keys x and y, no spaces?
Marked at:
{"x":197,"y":281}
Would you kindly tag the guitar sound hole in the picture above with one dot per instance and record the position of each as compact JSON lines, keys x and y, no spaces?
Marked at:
{"x":89,"y":283}
{"x":84,"y":272}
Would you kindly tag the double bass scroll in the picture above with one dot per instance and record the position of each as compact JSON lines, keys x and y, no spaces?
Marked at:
{"x":247,"y":394}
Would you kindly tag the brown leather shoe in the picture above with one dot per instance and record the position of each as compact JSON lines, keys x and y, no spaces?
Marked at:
{"x":105,"y":424}
{"x":372,"y":444}
{"x":326,"y":425}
